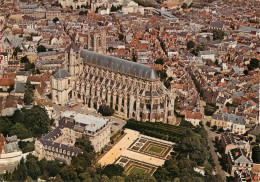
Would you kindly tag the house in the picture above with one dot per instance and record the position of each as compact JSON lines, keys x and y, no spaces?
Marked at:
{"x":193,"y":117}
{"x":232,"y":122}
{"x":238,"y":159}
{"x":207,"y":55}
{"x":132,"y":7}
{"x":245,"y":175}
{"x":5,"y":83}
{"x":217,"y":25}
{"x":10,"y":154}
{"x":9,"y":104}
{"x":57,"y":145}
{"x":231,"y":141}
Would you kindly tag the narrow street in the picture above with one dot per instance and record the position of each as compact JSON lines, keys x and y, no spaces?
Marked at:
{"x":211,"y":137}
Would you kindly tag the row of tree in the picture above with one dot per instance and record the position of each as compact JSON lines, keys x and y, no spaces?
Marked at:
{"x":82,"y":168}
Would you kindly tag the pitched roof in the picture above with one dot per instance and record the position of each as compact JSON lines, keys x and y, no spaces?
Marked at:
{"x":61,"y":73}
{"x":72,"y":46}
{"x":6,"y":81}
{"x":119,"y":65}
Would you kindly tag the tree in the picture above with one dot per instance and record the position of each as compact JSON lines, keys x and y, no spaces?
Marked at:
{"x":167,"y":84}
{"x":84,"y":144}
{"x":5,"y":125}
{"x":162,"y":74}
{"x":83,"y":12}
{"x":245,"y":72}
{"x":161,"y":174}
{"x":159,"y":61}
{"x":55,"y":20}
{"x":134,"y":58}
{"x":20,"y":130}
{"x":20,"y":172}
{"x":16,"y":50}
{"x":113,"y":170}
{"x":36,"y":120}
{"x":121,"y":37}
{"x":24,"y":60}
{"x":53,"y":168}
{"x":33,"y":169}
{"x":106,"y":110}
{"x":113,"y":8}
{"x":218,"y":34}
{"x":184,"y":6}
{"x":28,"y":95}
{"x":214,"y":128}
{"x":26,"y":146}
{"x":254,"y":64}
{"x":255,"y":154}
{"x":68,"y":174}
{"x":221,"y":130}
{"x":41,"y":48}
{"x":97,"y":10}
{"x":10,"y":89}
{"x":190,"y":45}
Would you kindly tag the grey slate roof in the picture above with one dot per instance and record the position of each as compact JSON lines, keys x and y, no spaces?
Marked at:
{"x":119,"y":65}
{"x":217,"y":24}
{"x":20,"y":87}
{"x":49,"y":53}
{"x":61,"y":73}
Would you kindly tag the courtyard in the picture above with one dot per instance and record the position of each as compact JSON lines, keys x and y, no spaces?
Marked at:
{"x":138,"y":153}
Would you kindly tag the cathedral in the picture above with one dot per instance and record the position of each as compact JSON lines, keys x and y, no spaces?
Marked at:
{"x":133,"y":90}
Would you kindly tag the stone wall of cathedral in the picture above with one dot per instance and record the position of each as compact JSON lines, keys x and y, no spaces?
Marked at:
{"x":129,"y":96}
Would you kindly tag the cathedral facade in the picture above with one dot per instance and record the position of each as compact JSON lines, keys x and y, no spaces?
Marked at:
{"x":133,"y":90}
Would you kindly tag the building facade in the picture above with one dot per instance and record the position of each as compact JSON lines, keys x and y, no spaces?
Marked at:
{"x":59,"y":143}
{"x":133,"y":90}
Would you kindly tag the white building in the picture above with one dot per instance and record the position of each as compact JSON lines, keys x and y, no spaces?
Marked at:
{"x":10,"y":154}
{"x":207,"y":55}
{"x":132,"y":7}
{"x":59,"y":143}
{"x":97,"y":129}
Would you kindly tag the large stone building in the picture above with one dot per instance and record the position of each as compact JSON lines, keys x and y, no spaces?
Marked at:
{"x":59,"y":143}
{"x":133,"y":90}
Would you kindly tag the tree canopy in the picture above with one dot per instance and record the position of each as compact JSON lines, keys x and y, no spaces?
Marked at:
{"x":41,"y":48}
{"x":29,"y":94}
{"x":55,"y":20}
{"x":190,"y":45}
{"x":254,"y":64}
{"x":106,"y":110}
{"x":218,"y":34}
{"x":159,"y":61}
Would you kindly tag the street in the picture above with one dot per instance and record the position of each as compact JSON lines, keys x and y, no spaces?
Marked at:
{"x":211,"y":137}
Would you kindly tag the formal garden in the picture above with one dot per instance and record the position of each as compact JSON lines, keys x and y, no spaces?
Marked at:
{"x":133,"y":166}
{"x":151,"y":147}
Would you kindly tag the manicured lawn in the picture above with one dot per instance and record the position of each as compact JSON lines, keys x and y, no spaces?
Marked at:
{"x":155,"y":149}
{"x":137,"y":170}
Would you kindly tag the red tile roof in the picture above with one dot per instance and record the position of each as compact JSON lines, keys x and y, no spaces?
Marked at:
{"x":6,"y":81}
